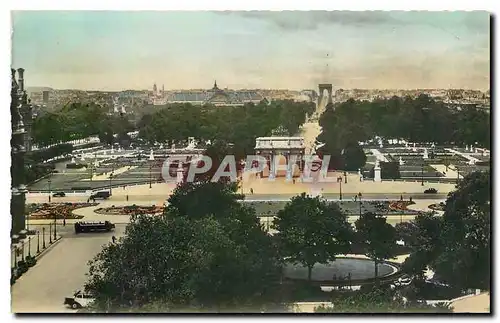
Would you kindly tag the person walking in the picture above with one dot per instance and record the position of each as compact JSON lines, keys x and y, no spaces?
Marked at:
{"x":251,"y":191}
{"x":127,"y":197}
{"x":113,"y":238}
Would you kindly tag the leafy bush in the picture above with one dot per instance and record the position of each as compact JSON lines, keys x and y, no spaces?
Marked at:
{"x":22,"y":266}
{"x":39,"y":156}
{"x":74,"y":166}
{"x":30,"y":261}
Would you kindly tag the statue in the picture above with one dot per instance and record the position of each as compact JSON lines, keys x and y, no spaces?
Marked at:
{"x":426,"y":155}
{"x":401,"y":162}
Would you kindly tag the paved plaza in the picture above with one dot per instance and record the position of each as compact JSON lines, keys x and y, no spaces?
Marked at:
{"x":58,"y":273}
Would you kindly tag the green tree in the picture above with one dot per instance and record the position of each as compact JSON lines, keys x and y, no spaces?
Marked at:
{"x":354,"y":157}
{"x":203,"y":198}
{"x":182,"y":263}
{"x":377,"y":237}
{"x":311,"y":231}
{"x":198,"y":258}
{"x":464,"y":255}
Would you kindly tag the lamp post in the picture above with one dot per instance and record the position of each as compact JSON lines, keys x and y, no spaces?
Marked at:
{"x":38,"y":241}
{"x":345,"y":176}
{"x":340,"y":191}
{"x":55,"y":225}
{"x":422,"y":174}
{"x":151,"y":159}
{"x":50,"y":182}
{"x":50,"y":233}
{"x":110,"y":178}
{"x":29,"y":246}
{"x":150,"y":166}
{"x":43,"y":237}
{"x":359,"y":197}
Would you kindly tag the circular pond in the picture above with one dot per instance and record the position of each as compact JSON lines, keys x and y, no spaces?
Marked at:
{"x":339,"y":269}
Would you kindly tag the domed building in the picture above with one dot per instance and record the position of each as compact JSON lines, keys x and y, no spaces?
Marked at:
{"x":216,"y":96}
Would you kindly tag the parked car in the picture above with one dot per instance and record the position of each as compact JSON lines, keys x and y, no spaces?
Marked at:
{"x":430,"y":191}
{"x":80,"y":299}
{"x":100,"y":195}
{"x":81,"y":227}
{"x":59,"y":194}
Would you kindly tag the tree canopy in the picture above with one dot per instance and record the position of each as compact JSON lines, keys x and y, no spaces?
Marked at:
{"x":238,"y":125}
{"x":311,"y":230}
{"x":420,"y":119}
{"x":216,"y":260}
{"x":464,"y":252}
{"x":377,"y":236}
{"x":457,"y":245}
{"x":77,"y":121}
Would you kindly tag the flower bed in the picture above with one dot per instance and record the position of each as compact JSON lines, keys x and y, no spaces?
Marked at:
{"x":400,"y":205}
{"x":130,"y":210}
{"x":437,"y":207}
{"x":42,"y":211}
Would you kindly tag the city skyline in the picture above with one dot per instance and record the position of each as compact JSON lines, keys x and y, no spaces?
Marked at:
{"x":113,"y":51}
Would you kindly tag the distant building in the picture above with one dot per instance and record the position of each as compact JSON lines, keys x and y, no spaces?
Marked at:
{"x":45,"y":97}
{"x":215,"y":96}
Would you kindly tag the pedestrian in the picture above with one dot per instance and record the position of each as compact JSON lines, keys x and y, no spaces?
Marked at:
{"x":251,"y":191}
{"x":88,"y":200}
{"x":293,"y":180}
{"x":113,"y":238}
{"x":64,"y":222}
{"x":411,"y":200}
{"x":401,"y":197}
{"x":127,"y":197}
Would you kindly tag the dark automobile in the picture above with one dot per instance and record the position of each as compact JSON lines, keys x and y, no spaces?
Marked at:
{"x":430,"y":191}
{"x":81,"y":227}
{"x":59,"y":194}
{"x":100,"y":195}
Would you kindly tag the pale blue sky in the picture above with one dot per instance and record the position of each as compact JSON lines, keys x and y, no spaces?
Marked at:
{"x":112,"y":50}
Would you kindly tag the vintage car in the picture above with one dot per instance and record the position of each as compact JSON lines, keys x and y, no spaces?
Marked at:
{"x":81,"y":227}
{"x":80,"y":299}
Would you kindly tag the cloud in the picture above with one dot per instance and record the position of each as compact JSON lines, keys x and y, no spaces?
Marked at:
{"x":310,"y":20}
{"x":477,"y":21}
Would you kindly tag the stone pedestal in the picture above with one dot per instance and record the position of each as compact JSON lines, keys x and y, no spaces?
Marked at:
{"x":377,"y":173}
{"x":180,"y":174}
{"x":426,"y":155}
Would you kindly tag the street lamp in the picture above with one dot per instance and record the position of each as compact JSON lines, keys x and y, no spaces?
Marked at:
{"x":38,"y":242}
{"x":151,"y":159}
{"x":110,"y":178}
{"x":340,"y":193}
{"x":49,"y":189}
{"x":359,"y":198}
{"x":422,"y":175}
{"x":55,"y":225}
{"x":345,"y":176}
